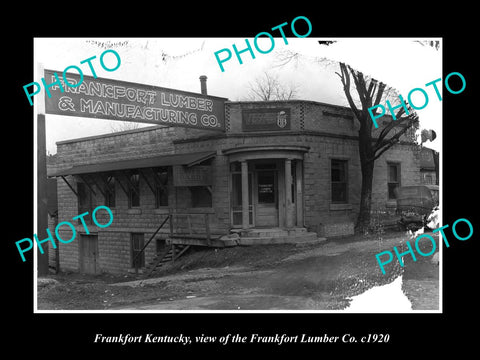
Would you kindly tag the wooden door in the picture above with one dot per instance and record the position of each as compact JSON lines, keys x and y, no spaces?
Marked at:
{"x":88,"y":254}
{"x":266,"y":214}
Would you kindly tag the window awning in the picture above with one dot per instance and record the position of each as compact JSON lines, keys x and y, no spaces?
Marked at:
{"x":189,"y":159}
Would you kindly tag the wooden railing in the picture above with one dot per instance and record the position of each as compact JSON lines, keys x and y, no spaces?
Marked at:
{"x":189,"y":215}
{"x":203,"y":233}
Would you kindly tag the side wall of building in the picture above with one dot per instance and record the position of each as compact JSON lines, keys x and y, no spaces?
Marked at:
{"x":329,"y":132}
{"x":114,"y":242}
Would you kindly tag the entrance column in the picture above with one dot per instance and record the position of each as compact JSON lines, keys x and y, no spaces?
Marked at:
{"x":299,"y":194}
{"x":288,"y":194}
{"x":245,"y":207}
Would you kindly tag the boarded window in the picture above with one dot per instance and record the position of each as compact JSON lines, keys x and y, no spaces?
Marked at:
{"x":201,"y":196}
{"x":339,"y":181}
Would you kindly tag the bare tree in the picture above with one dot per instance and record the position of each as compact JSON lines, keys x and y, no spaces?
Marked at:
{"x":370,"y":93}
{"x":268,"y":87}
{"x":118,"y":126}
{"x":432,"y":43}
{"x":363,"y":93}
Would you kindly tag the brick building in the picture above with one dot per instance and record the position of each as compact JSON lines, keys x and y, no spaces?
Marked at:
{"x":291,"y":167}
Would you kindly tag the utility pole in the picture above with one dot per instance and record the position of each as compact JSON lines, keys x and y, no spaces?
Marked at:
{"x":42,"y":210}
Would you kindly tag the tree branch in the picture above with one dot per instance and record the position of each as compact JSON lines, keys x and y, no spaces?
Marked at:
{"x":345,"y":78}
{"x":382,"y":146}
{"x":381,"y":90}
{"x":387,"y":129}
{"x":371,"y":90}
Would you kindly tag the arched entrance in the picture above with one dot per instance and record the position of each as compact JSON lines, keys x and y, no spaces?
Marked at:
{"x":266,"y":186}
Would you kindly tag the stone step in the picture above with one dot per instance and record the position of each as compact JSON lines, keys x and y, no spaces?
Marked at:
{"x":310,"y":237}
{"x":272,"y":232}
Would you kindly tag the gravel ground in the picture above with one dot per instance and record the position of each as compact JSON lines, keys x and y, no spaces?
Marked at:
{"x":321,"y":276}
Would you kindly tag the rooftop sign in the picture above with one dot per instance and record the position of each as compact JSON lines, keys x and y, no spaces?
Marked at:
{"x":127,"y":101}
{"x":266,"y":119}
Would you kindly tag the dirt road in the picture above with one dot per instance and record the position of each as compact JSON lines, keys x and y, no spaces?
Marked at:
{"x":322,"y":276}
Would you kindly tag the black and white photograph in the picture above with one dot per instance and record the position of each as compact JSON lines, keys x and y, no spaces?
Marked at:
{"x":287,"y":182}
{"x":295,"y":180}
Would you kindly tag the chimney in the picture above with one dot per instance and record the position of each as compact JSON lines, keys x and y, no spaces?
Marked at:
{"x":203,"y":84}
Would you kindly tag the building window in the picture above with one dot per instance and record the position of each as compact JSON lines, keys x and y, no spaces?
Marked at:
{"x":236,"y":195}
{"x":339,"y":181}
{"x":134,"y":189}
{"x":136,"y":245}
{"x":428,"y":179}
{"x":201,"y":196}
{"x":393,"y":179}
{"x":161,"y":190}
{"x":110,"y":191}
{"x":84,"y":202}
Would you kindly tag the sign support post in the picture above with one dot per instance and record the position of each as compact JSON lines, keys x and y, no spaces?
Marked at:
{"x":42,"y":210}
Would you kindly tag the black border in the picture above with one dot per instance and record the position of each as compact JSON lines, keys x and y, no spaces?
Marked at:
{"x":410,"y":333}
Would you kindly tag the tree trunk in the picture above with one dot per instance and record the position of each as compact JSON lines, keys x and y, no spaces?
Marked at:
{"x":367,"y":165}
{"x":363,"y":220}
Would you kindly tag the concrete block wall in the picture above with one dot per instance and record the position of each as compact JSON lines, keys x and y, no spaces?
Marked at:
{"x":113,"y":255}
{"x":144,"y":219}
{"x":337,"y":229}
{"x":329,"y":118}
{"x":114,"y":251}
{"x":338,"y":120}
{"x":320,"y":214}
{"x":319,"y":209}
{"x":234,"y":112}
{"x":328,"y":130}
{"x":408,"y":158}
{"x":115,"y":240}
{"x":67,"y":209}
{"x":317,"y":178}
{"x":132,"y":144}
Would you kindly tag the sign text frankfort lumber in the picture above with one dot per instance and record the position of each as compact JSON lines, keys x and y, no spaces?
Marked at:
{"x":120,"y":100}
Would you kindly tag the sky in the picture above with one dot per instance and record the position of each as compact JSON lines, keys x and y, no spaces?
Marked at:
{"x":177,"y":63}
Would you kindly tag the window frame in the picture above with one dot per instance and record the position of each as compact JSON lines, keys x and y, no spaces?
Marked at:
{"x":195,"y":204}
{"x":344,"y":182}
{"x":110,"y":191}
{"x":159,"y":187}
{"x":132,"y":194}
{"x":398,"y":181}
{"x":135,"y":250}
